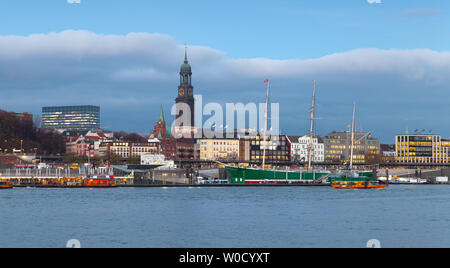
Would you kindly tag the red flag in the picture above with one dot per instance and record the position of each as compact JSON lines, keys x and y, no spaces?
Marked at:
{"x":266,"y":81}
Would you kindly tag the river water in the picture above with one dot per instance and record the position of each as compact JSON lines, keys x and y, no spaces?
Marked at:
{"x":256,"y":217}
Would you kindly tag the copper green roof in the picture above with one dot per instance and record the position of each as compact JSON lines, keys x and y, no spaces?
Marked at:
{"x":161,"y":114}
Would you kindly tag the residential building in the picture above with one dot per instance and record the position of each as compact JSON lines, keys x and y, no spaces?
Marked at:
{"x":72,"y":118}
{"x":366,"y":150}
{"x":87,"y":145}
{"x":300,"y":149}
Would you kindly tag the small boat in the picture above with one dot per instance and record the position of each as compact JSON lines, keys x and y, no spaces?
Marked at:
{"x":5,"y":185}
{"x":397,"y":180}
{"x":353,"y":179}
{"x":358,"y":183}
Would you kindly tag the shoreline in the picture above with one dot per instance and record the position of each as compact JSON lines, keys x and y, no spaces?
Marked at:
{"x":199,"y":186}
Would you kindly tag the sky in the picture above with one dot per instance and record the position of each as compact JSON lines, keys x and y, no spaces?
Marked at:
{"x":390,"y":57}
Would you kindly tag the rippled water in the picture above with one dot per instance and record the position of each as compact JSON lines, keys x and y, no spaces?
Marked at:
{"x":400,"y":216}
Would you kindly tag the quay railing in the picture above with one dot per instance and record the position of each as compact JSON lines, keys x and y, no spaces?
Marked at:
{"x":52,"y":172}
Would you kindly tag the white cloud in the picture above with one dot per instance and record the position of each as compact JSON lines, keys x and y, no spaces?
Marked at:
{"x":143,"y":56}
{"x":374,"y":1}
{"x":74,"y":67}
{"x":74,"y":1}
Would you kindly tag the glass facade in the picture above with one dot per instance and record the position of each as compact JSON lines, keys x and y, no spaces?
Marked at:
{"x":278,"y":149}
{"x":421,"y":148}
{"x":78,"y":118}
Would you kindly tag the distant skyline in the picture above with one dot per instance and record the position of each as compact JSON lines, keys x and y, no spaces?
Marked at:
{"x":392,"y":58}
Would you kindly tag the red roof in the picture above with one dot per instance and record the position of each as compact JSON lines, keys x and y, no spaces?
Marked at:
{"x":92,"y":138}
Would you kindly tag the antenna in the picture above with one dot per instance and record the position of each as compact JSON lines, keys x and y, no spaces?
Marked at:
{"x":407,"y":127}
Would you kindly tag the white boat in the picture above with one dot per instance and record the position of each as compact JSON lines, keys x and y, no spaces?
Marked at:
{"x":400,"y":180}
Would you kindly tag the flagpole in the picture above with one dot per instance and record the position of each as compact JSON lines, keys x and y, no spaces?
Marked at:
{"x":311,"y":134}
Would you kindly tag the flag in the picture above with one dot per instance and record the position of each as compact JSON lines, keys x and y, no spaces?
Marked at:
{"x":266,"y":81}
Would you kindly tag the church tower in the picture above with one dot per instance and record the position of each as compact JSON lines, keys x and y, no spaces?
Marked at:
{"x":160,"y":130}
{"x":186,"y":91}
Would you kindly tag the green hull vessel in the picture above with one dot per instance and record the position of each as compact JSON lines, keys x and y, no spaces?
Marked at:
{"x":258,"y":176}
{"x":358,"y":176}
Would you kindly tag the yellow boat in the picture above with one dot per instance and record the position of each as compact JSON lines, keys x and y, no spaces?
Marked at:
{"x":367,"y":184}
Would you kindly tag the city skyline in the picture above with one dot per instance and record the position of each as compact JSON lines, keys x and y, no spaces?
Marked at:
{"x":130,"y":71}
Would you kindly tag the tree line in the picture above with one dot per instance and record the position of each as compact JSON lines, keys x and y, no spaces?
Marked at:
{"x":19,"y":133}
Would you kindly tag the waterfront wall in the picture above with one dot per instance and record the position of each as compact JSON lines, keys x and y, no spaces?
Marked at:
{"x":431,"y":175}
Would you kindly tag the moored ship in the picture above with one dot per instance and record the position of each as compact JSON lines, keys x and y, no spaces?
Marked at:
{"x":240,"y":175}
{"x":261,"y":175}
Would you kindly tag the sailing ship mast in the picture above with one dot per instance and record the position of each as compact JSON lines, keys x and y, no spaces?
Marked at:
{"x":353,"y":137}
{"x":311,"y":131}
{"x":265,"y":125}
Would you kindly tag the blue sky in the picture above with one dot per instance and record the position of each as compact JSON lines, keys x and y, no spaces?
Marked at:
{"x":391,"y":58}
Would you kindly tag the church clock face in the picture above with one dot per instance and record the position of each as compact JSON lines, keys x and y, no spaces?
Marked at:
{"x":181,"y":92}
{"x":190,"y":92}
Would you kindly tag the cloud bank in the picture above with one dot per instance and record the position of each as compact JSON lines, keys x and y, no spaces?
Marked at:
{"x":130,"y":75}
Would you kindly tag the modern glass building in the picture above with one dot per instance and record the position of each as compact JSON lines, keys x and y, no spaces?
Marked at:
{"x":422,"y":148}
{"x":77,"y":118}
{"x":278,"y":149}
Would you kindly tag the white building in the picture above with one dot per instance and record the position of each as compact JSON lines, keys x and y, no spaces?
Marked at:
{"x":300,"y":149}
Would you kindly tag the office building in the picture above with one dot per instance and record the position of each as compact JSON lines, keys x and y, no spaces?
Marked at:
{"x":366,"y":150}
{"x":422,"y":149}
{"x":72,"y":118}
{"x":278,"y":149}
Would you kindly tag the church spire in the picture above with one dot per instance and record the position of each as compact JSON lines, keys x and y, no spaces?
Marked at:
{"x":161,"y":114}
{"x":185,"y":54}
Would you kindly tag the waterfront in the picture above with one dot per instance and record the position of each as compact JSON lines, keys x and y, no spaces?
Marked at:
{"x":400,"y":216}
